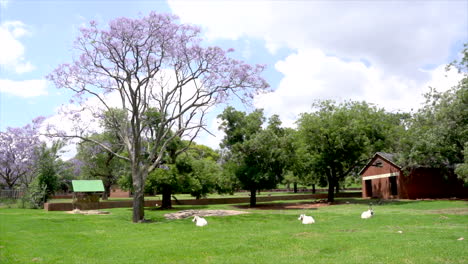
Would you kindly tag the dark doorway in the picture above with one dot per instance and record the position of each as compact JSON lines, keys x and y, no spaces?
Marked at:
{"x":393,"y":185}
{"x":368,"y":188}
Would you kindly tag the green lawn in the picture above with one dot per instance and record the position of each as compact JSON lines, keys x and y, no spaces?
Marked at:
{"x":430,"y":232}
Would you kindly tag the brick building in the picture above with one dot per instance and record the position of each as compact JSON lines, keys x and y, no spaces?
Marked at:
{"x":383,"y":178}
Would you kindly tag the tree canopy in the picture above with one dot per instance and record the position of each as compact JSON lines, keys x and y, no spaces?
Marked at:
{"x":98,"y":163}
{"x":152,"y":62}
{"x":340,"y":138}
{"x":257,"y":156}
{"x":17,"y":154}
{"x":437,"y":133}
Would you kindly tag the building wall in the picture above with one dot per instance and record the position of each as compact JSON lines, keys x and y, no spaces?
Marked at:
{"x":431,"y":183}
{"x":413,"y":184}
{"x":380,"y":182}
{"x":117,"y":192}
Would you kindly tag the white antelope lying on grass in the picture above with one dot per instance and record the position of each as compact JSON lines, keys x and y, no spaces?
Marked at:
{"x":199,"y":221}
{"x":367,"y":214}
{"x":306,"y":219}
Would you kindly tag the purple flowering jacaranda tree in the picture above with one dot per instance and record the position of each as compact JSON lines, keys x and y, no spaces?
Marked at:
{"x":17,"y":154}
{"x":165,"y":81}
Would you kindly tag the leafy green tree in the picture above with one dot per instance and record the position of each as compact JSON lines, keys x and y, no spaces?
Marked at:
{"x":205,"y":173}
{"x":299,"y":162}
{"x":99,"y":163}
{"x":46,"y":181}
{"x":462,"y":169}
{"x":165,"y":182}
{"x":194,"y":171}
{"x":65,"y":173}
{"x":340,"y":138}
{"x":257,"y":156}
{"x":438,"y":133}
{"x":201,"y":176}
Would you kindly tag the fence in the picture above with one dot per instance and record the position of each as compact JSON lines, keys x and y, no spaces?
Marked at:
{"x":11,"y":194}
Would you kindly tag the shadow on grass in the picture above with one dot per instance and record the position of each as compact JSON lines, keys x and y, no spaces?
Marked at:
{"x":178,"y":208}
{"x":282,"y":206}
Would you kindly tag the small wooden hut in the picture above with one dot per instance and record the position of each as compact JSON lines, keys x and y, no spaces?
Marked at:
{"x":383,"y":178}
{"x":86,"y":194}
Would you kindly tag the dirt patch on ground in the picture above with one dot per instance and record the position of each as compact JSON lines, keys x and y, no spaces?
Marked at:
{"x":286,"y":206}
{"x":190,"y":213}
{"x":88,"y":212}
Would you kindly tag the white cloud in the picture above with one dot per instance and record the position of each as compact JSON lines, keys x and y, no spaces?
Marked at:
{"x":74,"y":119}
{"x":311,"y":75}
{"x":214,"y":138}
{"x":11,"y":49}
{"x":27,"y":88}
{"x":443,"y":80}
{"x":4,"y":3}
{"x":331,"y":40}
{"x":398,"y":37}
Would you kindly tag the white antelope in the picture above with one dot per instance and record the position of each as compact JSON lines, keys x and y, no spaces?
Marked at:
{"x":367,"y":214}
{"x":199,"y":221}
{"x":306,"y":219}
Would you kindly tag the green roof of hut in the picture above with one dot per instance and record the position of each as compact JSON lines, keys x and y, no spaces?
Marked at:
{"x":88,"y":186}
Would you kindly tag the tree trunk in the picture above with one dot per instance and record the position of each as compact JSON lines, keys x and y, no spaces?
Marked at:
{"x":166,"y":198}
{"x":107,"y":191}
{"x":313,"y":189}
{"x":104,"y":196}
{"x":337,"y":187}
{"x":295,"y":187}
{"x":331,"y":188}
{"x":253,"y":197}
{"x":138,"y":194}
{"x":138,"y":207}
{"x":331,"y":193}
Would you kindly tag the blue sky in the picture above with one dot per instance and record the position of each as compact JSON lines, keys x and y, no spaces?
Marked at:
{"x":384,"y":52}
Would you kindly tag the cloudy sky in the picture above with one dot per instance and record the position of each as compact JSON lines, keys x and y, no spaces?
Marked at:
{"x":384,"y":52}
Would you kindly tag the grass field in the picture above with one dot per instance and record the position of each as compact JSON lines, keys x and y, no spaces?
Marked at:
{"x":430,"y":233}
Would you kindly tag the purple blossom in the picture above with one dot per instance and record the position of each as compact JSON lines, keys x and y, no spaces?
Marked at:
{"x":132,"y":57}
{"x":17,"y":153}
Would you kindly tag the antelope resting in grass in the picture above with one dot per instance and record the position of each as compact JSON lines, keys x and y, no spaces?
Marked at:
{"x":306,"y":219}
{"x":367,"y":214}
{"x":199,"y":221}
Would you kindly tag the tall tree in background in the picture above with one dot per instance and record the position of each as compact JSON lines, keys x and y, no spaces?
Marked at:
{"x":194,"y":171}
{"x":99,"y":163}
{"x":166,"y":181}
{"x":47,"y":168}
{"x":340,"y":138}
{"x":462,"y":168}
{"x":257,"y":156}
{"x":438,"y":132}
{"x":46,"y":179}
{"x":151,"y":62}
{"x":300,"y":166}
{"x":17,"y":154}
{"x":205,"y":175}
